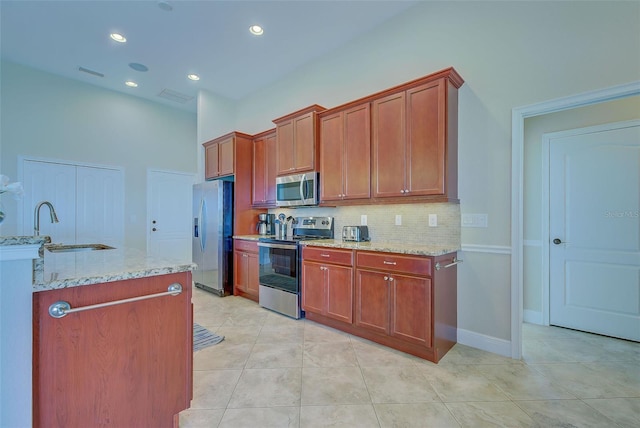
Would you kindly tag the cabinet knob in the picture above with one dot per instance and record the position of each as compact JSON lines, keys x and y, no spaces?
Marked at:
{"x":402,"y":191}
{"x":390,"y":279}
{"x":406,"y":190}
{"x":386,"y":278}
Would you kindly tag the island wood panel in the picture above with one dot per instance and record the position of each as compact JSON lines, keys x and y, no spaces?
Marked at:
{"x":129,"y":364}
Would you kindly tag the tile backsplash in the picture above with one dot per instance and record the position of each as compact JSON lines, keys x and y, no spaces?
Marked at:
{"x":381,"y":221}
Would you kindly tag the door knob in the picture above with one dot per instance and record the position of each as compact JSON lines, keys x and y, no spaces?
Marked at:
{"x":154,"y":229}
{"x":557,"y":241}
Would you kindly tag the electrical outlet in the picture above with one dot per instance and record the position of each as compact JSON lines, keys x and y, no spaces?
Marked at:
{"x":398,"y":219}
{"x":433,"y":220}
{"x":363,"y":220}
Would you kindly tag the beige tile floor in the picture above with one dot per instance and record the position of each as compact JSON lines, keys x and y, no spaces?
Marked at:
{"x":272,"y":371}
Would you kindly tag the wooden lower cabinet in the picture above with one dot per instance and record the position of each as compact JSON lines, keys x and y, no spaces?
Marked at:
{"x":126,"y":365}
{"x":394,"y":304}
{"x":327,"y":283}
{"x":246,"y":269}
{"x":405,"y":302}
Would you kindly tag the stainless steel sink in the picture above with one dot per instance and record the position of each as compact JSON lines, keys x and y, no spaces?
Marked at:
{"x":61,"y":248}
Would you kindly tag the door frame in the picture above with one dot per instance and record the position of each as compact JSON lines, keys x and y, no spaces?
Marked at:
{"x":546,"y":206}
{"x":518,"y":115}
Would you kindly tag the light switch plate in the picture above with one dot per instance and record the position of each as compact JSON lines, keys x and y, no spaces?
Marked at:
{"x":433,"y":220}
{"x":475,"y":220}
{"x":398,"y":219}
{"x":363,"y":220}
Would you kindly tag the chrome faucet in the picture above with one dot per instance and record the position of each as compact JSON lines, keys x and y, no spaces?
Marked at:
{"x":36,"y":216}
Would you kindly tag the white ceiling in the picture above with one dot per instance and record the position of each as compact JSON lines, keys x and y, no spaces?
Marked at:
{"x":206,"y":37}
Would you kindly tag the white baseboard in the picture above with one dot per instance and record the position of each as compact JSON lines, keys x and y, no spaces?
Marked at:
{"x":532,"y":317}
{"x":485,"y":343}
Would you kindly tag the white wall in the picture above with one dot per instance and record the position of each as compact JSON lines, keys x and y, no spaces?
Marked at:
{"x":510,"y":54}
{"x":44,"y":115}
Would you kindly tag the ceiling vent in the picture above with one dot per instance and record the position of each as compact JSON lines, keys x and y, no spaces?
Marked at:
{"x":93,"y":73}
{"x":175,"y":96}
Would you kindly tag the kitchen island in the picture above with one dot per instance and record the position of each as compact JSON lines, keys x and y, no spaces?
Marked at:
{"x":112,"y":339}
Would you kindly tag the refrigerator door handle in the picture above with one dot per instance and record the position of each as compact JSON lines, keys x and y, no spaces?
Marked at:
{"x":203,"y":224}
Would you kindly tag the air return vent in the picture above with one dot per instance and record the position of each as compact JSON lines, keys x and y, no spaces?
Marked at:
{"x":175,"y":96}
{"x":93,"y":73}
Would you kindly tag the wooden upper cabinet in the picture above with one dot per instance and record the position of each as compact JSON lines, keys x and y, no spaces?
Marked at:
{"x":345,"y":154}
{"x":296,"y":141}
{"x":264,"y":169}
{"x":219,"y":157}
{"x":414,"y":139}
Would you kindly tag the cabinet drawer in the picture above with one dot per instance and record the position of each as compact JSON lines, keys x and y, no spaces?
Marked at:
{"x":324,"y":255}
{"x":391,"y":262}
{"x":245,"y":245}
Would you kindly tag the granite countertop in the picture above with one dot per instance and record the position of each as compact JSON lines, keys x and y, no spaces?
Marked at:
{"x":385,"y":247}
{"x":24,"y":240}
{"x":72,"y":269}
{"x":252,"y":237}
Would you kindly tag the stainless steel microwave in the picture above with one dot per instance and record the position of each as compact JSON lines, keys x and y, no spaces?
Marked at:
{"x":297,"y":190}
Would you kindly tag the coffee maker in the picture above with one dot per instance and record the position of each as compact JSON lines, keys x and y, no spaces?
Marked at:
{"x":266,"y":224}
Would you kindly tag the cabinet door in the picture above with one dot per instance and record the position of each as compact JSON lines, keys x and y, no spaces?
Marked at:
{"x":389,"y":144}
{"x":304,"y":140}
{"x":211,"y":167}
{"x":313,"y":287}
{"x":259,"y":172}
{"x":226,"y":161}
{"x":357,"y":153}
{"x":284,"y":150}
{"x":270,"y":170}
{"x":253,"y":271}
{"x":411,"y":309}
{"x":372,"y":301}
{"x":426,"y":139}
{"x":241,"y":274}
{"x":331,"y":157}
{"x":339,"y":293}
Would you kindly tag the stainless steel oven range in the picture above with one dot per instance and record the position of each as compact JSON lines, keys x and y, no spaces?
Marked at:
{"x":279,"y":260}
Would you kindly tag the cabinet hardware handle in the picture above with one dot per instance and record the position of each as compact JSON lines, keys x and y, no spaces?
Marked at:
{"x":325,"y":255}
{"x":61,"y":308}
{"x":245,"y":255}
{"x":454,"y":262}
{"x":389,"y":263}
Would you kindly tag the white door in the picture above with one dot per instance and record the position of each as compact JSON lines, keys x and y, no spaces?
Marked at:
{"x":100,"y":206}
{"x":169,"y":214}
{"x":594,"y":226}
{"x":56,"y":183}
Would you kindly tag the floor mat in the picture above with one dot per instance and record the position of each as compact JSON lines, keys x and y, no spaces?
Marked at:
{"x":203,"y":338}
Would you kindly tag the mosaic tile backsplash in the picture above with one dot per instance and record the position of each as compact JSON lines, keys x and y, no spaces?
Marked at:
{"x":381,"y":221}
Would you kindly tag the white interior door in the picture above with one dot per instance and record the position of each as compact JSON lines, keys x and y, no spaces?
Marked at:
{"x":56,"y":183}
{"x":594,"y":226}
{"x":169,"y":214}
{"x":100,"y":206}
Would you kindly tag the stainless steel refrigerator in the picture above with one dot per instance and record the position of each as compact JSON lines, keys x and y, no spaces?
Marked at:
{"x":212,"y":236}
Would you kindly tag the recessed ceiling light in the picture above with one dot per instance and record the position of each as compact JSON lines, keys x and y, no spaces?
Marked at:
{"x":256,"y":30}
{"x":118,"y":37}
{"x":193,"y":76}
{"x":131,"y":84}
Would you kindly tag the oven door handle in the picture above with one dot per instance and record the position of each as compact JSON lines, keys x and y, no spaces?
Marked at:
{"x":280,"y":246}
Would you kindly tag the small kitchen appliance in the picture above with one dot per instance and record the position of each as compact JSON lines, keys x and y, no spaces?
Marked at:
{"x":279,"y":261}
{"x":266,"y":224}
{"x":355,"y":233}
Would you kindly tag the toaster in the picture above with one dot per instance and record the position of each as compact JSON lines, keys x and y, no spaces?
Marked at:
{"x":355,"y":233}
